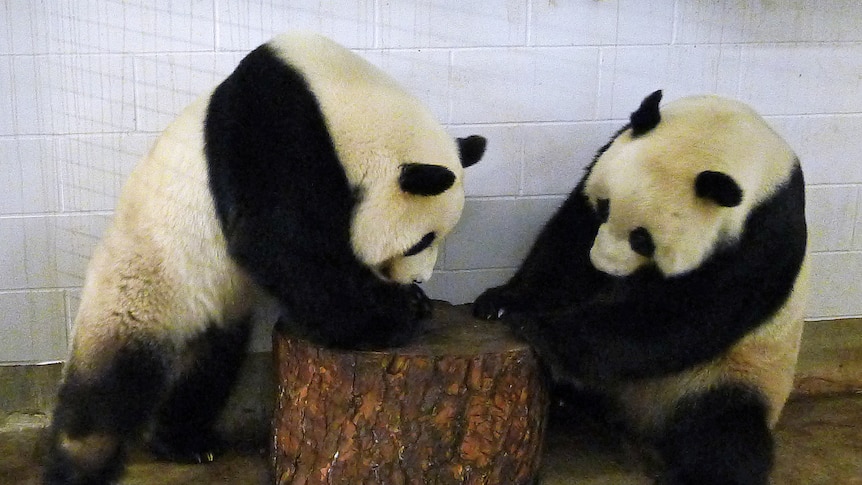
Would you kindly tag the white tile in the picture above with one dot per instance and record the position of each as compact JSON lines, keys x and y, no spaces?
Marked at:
{"x":459,"y":287}
{"x":73,"y":302}
{"x":47,"y":252}
{"x":602,"y":23}
{"x":498,"y":173}
{"x":497,"y":233}
{"x":573,"y":23}
{"x":452,"y":23}
{"x":168,"y":83}
{"x":835,"y":285}
{"x":857,"y":231}
{"x":631,"y":73}
{"x":645,"y":22}
{"x":97,"y":26}
{"x":8,"y":115}
{"x":28,"y":176}
{"x":524,"y":84}
{"x":731,"y":21}
{"x":555,"y":155}
{"x":836,"y":20}
{"x":423,"y":73}
{"x":93,"y":168}
{"x":76,"y":237}
{"x":246,"y":24}
{"x":70,"y":94}
{"x":829,"y":147}
{"x":24,"y":251}
{"x":799,"y":79}
{"x":33,"y":325}
{"x":16,"y":22}
{"x":830,"y":212}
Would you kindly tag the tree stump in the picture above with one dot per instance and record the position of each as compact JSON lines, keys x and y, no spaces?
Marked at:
{"x":464,"y":404}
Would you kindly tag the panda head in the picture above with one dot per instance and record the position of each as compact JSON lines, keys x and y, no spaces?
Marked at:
{"x":405,"y":171}
{"x":676,"y":184}
{"x":401,"y":218}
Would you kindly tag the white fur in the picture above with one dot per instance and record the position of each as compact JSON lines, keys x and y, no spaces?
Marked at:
{"x":765,"y":360}
{"x":376,"y":127}
{"x":162,"y":270}
{"x":650,"y":183}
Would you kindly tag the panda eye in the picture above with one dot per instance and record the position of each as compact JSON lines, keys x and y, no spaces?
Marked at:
{"x":641,"y":242}
{"x":603,"y":209}
{"x":421,"y":245}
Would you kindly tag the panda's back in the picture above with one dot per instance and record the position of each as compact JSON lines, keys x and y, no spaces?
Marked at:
{"x":165,"y":219}
{"x":374,"y":123}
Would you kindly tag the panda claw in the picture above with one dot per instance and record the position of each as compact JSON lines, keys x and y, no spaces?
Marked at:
{"x":206,"y":457}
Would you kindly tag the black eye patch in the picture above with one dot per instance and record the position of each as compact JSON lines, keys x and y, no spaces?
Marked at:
{"x":421,"y":245}
{"x":641,"y":242}
{"x":603,"y":209}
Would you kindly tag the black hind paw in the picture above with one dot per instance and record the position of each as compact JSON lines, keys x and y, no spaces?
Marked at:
{"x":89,"y":469}
{"x":195,"y":449}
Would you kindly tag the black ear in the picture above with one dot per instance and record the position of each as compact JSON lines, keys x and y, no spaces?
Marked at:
{"x":718,"y":187}
{"x":647,"y":116}
{"x":471,"y":149}
{"x":424,"y":179}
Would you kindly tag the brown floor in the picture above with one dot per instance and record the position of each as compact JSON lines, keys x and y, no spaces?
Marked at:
{"x":819,"y":442}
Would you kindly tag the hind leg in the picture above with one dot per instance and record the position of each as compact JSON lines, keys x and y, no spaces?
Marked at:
{"x":720,"y":437}
{"x":105,"y":397}
{"x":183,"y":429}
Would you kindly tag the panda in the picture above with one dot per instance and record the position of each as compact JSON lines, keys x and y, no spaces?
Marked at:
{"x":671,"y":285}
{"x":307,"y":180}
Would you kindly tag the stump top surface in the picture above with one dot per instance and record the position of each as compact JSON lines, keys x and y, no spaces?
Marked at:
{"x":453,"y":331}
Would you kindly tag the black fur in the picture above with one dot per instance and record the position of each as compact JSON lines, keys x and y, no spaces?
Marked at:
{"x":718,"y":187}
{"x":115,"y":403}
{"x":597,"y":327}
{"x":471,"y":149}
{"x":594,"y":329}
{"x":285,"y":206}
{"x":134,"y":389}
{"x":719,"y":437}
{"x":647,"y":116}
{"x":183,"y":429}
{"x":424,"y":179}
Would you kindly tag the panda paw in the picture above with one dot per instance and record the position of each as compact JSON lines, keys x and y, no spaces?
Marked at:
{"x":420,"y":304}
{"x":491,"y":305}
{"x":204,"y":448}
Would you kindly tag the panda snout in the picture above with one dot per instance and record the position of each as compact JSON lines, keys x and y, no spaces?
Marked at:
{"x":613,"y":257}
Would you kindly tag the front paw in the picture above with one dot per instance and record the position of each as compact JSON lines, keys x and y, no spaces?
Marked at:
{"x":491,"y":305}
{"x":420,"y":304}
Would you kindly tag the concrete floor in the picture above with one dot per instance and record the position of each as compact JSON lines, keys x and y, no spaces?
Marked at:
{"x":819,"y":442}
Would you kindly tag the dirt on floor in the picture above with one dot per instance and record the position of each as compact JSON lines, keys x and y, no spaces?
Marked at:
{"x":819,"y":441}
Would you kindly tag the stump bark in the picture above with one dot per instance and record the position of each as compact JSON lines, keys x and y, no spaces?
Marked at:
{"x":465,"y":403}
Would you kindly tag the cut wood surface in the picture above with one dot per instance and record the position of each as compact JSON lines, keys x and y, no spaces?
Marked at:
{"x":464,"y":403}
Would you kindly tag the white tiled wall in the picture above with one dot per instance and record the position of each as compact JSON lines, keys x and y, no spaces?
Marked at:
{"x":85,"y":86}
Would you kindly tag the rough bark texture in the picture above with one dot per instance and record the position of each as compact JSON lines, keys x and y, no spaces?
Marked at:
{"x":465,"y":403}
